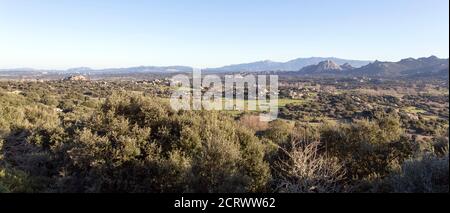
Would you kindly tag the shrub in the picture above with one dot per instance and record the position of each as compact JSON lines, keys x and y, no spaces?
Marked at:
{"x":134,"y":144}
{"x":308,"y":171}
{"x":12,"y":180}
{"x":368,"y":147}
{"x":427,"y":174}
{"x":280,"y":132}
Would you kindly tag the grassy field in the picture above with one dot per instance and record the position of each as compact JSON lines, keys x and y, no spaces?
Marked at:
{"x":413,"y":110}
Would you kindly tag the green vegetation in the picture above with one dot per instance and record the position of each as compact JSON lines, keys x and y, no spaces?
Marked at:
{"x":414,"y":110}
{"x":119,"y":137}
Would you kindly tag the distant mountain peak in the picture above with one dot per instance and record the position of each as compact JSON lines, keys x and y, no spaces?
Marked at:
{"x":328,"y":65}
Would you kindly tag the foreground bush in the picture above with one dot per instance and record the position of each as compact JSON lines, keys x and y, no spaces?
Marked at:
{"x":136,"y":144}
{"x":369,"y":148}
{"x":130,"y":142}
{"x":308,"y":171}
{"x":427,"y":174}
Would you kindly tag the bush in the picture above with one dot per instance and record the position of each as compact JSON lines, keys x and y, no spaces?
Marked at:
{"x":368,"y":147}
{"x":308,"y":171}
{"x":12,"y":180}
{"x":279,"y":132}
{"x":441,"y":145}
{"x":99,"y":140}
{"x":134,"y":144}
{"x":428,"y":174}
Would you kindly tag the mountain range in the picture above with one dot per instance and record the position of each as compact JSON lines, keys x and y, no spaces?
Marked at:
{"x":87,"y":70}
{"x":267,"y":65}
{"x":291,"y":65}
{"x":315,"y":66}
{"x":410,"y":67}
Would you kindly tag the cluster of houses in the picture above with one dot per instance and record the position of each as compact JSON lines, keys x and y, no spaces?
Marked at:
{"x":300,"y":90}
{"x":154,"y":82}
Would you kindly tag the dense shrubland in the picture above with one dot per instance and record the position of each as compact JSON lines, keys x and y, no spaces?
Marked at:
{"x":69,"y":138}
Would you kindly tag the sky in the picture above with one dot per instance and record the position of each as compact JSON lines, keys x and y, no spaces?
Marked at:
{"x":60,"y":34}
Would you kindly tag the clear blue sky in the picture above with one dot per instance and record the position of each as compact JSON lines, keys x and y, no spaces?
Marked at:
{"x":208,"y":33}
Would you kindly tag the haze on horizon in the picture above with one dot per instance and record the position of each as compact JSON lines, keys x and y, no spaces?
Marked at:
{"x":61,"y":34}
